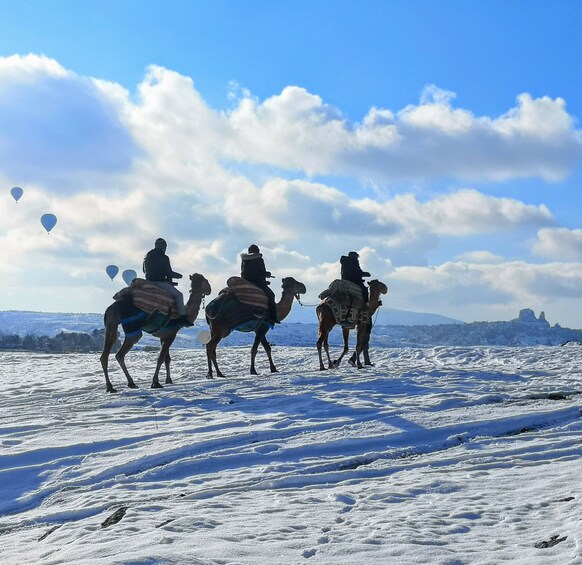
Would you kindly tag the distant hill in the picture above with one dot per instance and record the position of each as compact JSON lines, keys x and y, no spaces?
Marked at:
{"x":386,"y":317}
{"x":300,"y":329}
{"x":23,"y":322}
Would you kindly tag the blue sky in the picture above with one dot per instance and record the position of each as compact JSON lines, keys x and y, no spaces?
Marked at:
{"x":441,"y":140}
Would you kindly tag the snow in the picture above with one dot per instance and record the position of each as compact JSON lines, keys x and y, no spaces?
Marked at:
{"x":445,"y":455}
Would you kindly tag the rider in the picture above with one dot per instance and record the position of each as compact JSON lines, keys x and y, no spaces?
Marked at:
{"x":254,"y":271}
{"x":157,"y":269}
{"x":351,"y":271}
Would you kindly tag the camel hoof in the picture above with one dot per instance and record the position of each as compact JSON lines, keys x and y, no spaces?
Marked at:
{"x":209,"y":376}
{"x":369,"y":364}
{"x":156,"y":385}
{"x":169,"y":382}
{"x":274,"y":370}
{"x":132,"y":385}
{"x":111,"y":389}
{"x":253,"y":372}
{"x":352,"y":363}
{"x":323,"y":369}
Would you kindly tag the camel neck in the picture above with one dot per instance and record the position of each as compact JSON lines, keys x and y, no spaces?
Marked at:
{"x":284,"y":305}
{"x":193,"y":305}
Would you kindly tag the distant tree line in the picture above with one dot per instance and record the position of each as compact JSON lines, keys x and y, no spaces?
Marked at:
{"x":64,"y":342}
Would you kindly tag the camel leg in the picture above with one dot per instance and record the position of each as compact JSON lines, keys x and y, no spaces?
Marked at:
{"x":320,"y":341}
{"x":108,"y":343}
{"x":267,"y":347}
{"x":323,"y":341}
{"x":254,"y":349}
{"x":361,"y":340}
{"x":364,"y":347}
{"x":167,"y":359}
{"x":346,"y":336}
{"x":163,"y":357}
{"x":261,"y":337}
{"x":209,"y":360}
{"x":128,"y":343}
{"x":366,"y":353}
{"x":211,"y":356}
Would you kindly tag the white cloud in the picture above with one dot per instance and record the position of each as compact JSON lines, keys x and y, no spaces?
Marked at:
{"x":297,"y":130}
{"x":559,"y":243}
{"x":481,"y":256}
{"x":463,"y":290}
{"x":121,"y":170}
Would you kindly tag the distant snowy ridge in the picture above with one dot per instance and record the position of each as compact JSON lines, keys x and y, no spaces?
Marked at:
{"x":385,"y":317}
{"x":525,"y":330}
{"x":24,"y":322}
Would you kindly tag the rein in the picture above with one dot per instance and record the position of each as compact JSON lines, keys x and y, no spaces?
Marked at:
{"x":305,"y":305}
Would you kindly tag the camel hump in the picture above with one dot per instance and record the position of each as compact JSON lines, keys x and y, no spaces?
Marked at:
{"x":247,"y":293}
{"x":149,"y":297}
{"x":344,"y":292}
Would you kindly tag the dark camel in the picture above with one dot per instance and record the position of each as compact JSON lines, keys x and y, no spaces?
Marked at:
{"x":199,"y":288}
{"x":219,"y":330}
{"x":327,"y":322}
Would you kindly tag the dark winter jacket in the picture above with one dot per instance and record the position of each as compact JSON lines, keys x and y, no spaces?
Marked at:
{"x":351,"y":270}
{"x":156,"y":266}
{"x":253,"y":269}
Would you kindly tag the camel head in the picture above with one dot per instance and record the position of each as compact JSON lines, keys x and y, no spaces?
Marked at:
{"x":199,"y":284}
{"x":290,"y":285}
{"x":377,"y":288}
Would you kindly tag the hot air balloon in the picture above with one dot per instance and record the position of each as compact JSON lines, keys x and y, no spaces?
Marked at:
{"x":16,"y":192}
{"x":203,"y":336}
{"x":128,"y":275}
{"x":112,"y":271}
{"x":48,"y":221}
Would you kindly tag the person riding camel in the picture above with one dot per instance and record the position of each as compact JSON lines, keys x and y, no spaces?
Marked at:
{"x":157,"y":269}
{"x":254,"y":271}
{"x":351,"y":271}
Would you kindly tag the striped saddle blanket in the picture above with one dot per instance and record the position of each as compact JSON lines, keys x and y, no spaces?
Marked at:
{"x":149,"y":297}
{"x":247,"y":293}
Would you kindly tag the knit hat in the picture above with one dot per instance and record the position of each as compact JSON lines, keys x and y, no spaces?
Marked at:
{"x":254,"y":249}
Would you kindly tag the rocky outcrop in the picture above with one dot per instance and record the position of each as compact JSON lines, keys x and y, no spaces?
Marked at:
{"x":527,"y":316}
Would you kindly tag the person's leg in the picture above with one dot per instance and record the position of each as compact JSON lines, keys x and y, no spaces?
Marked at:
{"x":178,"y":296}
{"x":272,"y":312}
{"x":365,"y":292}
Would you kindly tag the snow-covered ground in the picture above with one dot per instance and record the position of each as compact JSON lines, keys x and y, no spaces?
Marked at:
{"x":437,"y":455}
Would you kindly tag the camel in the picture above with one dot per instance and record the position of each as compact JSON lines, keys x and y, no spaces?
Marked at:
{"x":327,"y":321}
{"x":219,"y":329}
{"x":199,"y":288}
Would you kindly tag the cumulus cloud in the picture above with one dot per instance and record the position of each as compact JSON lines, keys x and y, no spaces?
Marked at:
{"x":432,"y":139}
{"x":57,"y":127}
{"x":481,"y":256}
{"x":559,"y":243}
{"x":471,"y":291}
{"x":120,"y":169}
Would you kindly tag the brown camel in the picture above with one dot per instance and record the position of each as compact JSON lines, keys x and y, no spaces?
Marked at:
{"x":199,"y":288}
{"x":219,"y":329}
{"x":327,"y":322}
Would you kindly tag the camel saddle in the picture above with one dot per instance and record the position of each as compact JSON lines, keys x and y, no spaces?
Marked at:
{"x":149,"y":297}
{"x":247,"y":293}
{"x":345,"y":300}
